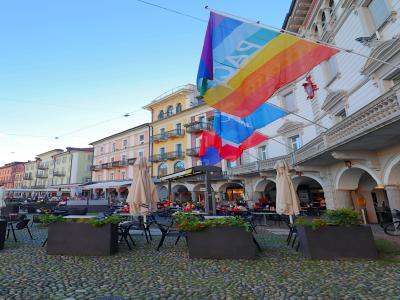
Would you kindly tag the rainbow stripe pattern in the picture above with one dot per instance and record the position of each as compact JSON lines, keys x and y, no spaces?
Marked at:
{"x":243,"y":64}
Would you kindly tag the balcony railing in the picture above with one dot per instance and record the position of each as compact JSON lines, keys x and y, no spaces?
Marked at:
{"x":39,"y":186}
{"x":42,"y":176}
{"x":95,"y":167}
{"x":42,"y":167}
{"x":175,"y":155}
{"x":196,"y":127}
{"x":131,"y":161}
{"x":193,"y":151}
{"x":158,"y":158}
{"x":175,"y":133}
{"x":28,"y":177}
{"x":59,"y":173}
{"x":159,"y":137}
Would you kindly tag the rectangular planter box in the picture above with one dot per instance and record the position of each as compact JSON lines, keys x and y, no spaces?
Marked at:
{"x":221,"y":243}
{"x":82,"y":239}
{"x":3,"y":228}
{"x":335,"y":242}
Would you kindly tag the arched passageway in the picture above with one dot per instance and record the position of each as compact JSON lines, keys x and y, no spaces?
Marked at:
{"x":266,"y":194}
{"x":365,"y":194}
{"x":181,"y":193}
{"x":231,"y":191}
{"x":311,"y":195}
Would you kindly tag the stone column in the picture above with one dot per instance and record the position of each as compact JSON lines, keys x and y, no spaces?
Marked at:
{"x":393,"y":194}
{"x":193,"y":195}
{"x":343,"y":199}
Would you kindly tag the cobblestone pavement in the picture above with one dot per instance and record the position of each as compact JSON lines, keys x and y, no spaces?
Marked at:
{"x":26,"y":272}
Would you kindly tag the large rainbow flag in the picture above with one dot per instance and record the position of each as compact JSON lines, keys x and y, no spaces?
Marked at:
{"x":243,"y":64}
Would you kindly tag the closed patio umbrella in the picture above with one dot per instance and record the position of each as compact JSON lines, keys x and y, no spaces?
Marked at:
{"x":287,"y":202}
{"x":2,"y":202}
{"x":142,"y":196}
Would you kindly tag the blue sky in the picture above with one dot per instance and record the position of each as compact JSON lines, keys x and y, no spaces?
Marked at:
{"x":69,"y":64}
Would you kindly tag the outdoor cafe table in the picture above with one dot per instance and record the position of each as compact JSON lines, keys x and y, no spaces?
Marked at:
{"x":264,"y":214}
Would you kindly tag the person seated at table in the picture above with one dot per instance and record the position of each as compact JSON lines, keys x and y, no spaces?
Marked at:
{"x":167,"y":203}
{"x":188,"y":207}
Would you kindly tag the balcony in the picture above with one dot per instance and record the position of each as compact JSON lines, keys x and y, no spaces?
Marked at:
{"x":27,"y":177}
{"x":106,"y":166}
{"x":259,"y":166}
{"x":42,"y":167}
{"x":159,"y":137}
{"x":175,"y":133}
{"x":95,"y":168}
{"x":196,"y":127}
{"x":193,"y":151}
{"x":175,"y":155}
{"x":158,"y":158}
{"x":41,"y":176}
{"x":131,"y":161}
{"x":59,"y":173}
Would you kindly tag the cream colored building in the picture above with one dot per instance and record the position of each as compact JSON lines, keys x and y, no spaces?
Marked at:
{"x":71,"y":169}
{"x":354,"y":151}
{"x":45,"y":168}
{"x":29,"y":178}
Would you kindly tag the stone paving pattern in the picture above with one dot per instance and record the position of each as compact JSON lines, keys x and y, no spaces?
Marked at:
{"x":26,"y":272}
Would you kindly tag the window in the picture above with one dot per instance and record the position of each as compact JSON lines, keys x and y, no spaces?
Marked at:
{"x":170,"y":111}
{"x":330,"y":69}
{"x":178,"y":107}
{"x":140,"y":154}
{"x":179,"y":166}
{"x":113,"y":147}
{"x":162,"y":169}
{"x":89,"y":157}
{"x":64,"y":159}
{"x":100,"y":162}
{"x":289,"y":102}
{"x":178,"y":128}
{"x":340,"y":115}
{"x":101,"y":150}
{"x":141,"y":139}
{"x":125,"y":143}
{"x":112,"y":159}
{"x":230,"y":164}
{"x":122,"y":175}
{"x":123,"y":158}
{"x":379,"y":11}
{"x":262,"y":152}
{"x":161,"y":115}
{"x":98,"y":177}
{"x":162,"y":153}
{"x":178,"y":149}
{"x":111,"y":175}
{"x":295,"y":142}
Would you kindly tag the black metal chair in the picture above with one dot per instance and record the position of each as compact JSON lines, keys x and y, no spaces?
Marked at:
{"x":124,"y":234}
{"x":292,"y":236}
{"x":167,"y":227}
{"x":20,"y":225}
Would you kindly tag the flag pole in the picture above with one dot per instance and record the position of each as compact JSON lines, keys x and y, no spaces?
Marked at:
{"x":258,"y":23}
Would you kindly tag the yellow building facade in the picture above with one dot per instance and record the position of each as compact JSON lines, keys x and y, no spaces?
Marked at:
{"x":170,"y":112}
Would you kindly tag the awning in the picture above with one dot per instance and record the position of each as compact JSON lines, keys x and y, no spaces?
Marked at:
{"x":107,"y":184}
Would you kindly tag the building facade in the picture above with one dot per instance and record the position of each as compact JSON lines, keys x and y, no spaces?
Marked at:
{"x":113,"y":160}
{"x":178,"y":118}
{"x":342,"y":145}
{"x":30,"y":171}
{"x":72,"y":168}
{"x":9,"y":172}
{"x":45,"y":168}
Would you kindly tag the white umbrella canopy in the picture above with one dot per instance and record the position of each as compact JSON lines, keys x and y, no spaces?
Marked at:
{"x":142,"y":196}
{"x":287,"y":202}
{"x":2,"y":202}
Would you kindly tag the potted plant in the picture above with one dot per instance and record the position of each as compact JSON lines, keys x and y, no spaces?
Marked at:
{"x":222,"y":238}
{"x":82,"y":236}
{"x":338,"y":234}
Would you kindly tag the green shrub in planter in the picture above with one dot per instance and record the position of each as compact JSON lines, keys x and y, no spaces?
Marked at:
{"x":338,"y":217}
